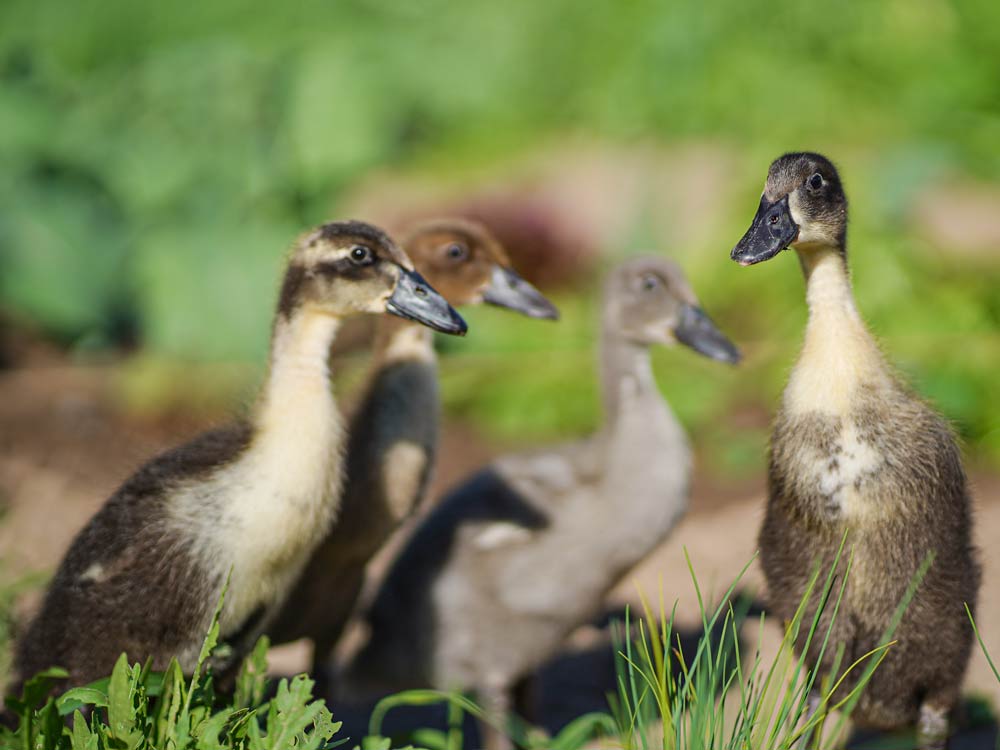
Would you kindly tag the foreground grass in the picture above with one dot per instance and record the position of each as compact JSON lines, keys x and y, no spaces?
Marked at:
{"x":666,"y":698}
{"x":714,"y":699}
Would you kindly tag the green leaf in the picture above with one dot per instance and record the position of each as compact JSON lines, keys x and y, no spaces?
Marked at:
{"x":81,"y":737}
{"x":373,"y":742}
{"x":581,"y":730}
{"x":38,"y":687}
{"x":293,"y":718}
{"x":172,"y":697}
{"x":75,"y":698}
{"x":50,"y":726}
{"x":121,"y":705}
{"x":251,"y":681}
{"x":209,"y":731}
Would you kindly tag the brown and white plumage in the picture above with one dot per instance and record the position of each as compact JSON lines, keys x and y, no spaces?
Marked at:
{"x":853,"y":449}
{"x":249,"y":501}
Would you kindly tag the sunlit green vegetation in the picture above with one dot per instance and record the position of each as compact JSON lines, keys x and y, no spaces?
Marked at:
{"x":154,"y":161}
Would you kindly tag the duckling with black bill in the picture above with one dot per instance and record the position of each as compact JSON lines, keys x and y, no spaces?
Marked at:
{"x":394,"y":430}
{"x":854,"y":450}
{"x":247,"y":502}
{"x":525,"y":550}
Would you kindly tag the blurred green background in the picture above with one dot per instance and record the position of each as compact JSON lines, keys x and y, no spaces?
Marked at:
{"x":156,"y":159}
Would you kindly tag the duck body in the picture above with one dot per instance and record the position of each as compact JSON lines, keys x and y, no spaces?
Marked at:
{"x":121,"y":569}
{"x":516,"y":557}
{"x":855,"y":452}
{"x":526,"y":550}
{"x":144,"y":576}
{"x":246,"y":504}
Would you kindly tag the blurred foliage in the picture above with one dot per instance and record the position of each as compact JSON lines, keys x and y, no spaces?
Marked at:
{"x":154,"y":160}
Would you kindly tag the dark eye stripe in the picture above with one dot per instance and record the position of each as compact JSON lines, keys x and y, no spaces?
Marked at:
{"x":341,"y":267}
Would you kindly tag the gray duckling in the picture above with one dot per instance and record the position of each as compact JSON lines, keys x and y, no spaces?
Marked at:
{"x":523,"y":552}
{"x":853,"y":449}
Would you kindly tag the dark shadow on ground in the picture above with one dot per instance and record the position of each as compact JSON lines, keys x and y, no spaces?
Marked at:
{"x":979,"y":734}
{"x":579,"y":681}
{"x":572,"y":684}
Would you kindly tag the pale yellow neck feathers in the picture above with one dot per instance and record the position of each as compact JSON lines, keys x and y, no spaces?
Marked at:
{"x":299,"y":369}
{"x":398,"y":340}
{"x":838,"y":354}
{"x":828,"y":286}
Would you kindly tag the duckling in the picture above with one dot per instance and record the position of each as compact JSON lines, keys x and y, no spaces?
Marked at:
{"x":394,"y":431}
{"x":246,"y":503}
{"x":853,"y":449}
{"x":524,"y":551}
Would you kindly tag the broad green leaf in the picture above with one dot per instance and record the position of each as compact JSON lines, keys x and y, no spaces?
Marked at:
{"x":81,"y":736}
{"x":252,"y":678}
{"x":75,"y":698}
{"x":172,"y":697}
{"x":209,"y":730}
{"x":121,"y":705}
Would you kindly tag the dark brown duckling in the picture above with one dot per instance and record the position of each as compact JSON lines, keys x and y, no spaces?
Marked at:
{"x":249,"y":501}
{"x":853,"y":449}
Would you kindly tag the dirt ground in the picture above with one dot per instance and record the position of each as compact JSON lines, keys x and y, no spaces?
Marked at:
{"x":64,"y":447}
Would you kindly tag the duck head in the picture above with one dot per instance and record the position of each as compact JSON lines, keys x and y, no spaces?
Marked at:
{"x":649,"y":301}
{"x":349,"y":267}
{"x":469,"y":266}
{"x":803,"y":205}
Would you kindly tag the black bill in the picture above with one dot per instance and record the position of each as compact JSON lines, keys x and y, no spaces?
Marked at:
{"x":507,"y":289}
{"x":697,"y":330}
{"x":771,"y":232}
{"x":415,"y":299}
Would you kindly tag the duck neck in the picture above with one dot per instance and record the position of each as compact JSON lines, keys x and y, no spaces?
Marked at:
{"x":399,"y":340}
{"x":828,"y":285}
{"x":626,"y":374}
{"x":838,"y":353}
{"x":296,"y":392}
{"x":832,"y":311}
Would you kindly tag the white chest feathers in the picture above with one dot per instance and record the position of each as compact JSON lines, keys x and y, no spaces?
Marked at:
{"x":259,"y":519}
{"x":839,"y":474}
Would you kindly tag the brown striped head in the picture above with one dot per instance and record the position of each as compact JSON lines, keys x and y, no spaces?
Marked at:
{"x":469,"y":266}
{"x":350,"y":267}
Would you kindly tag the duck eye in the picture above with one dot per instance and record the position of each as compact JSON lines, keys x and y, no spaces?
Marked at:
{"x":361,"y":255}
{"x":650,"y":282}
{"x":816,"y":181}
{"x":456,"y":251}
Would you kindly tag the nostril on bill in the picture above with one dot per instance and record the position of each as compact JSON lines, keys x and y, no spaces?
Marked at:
{"x":420,"y":291}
